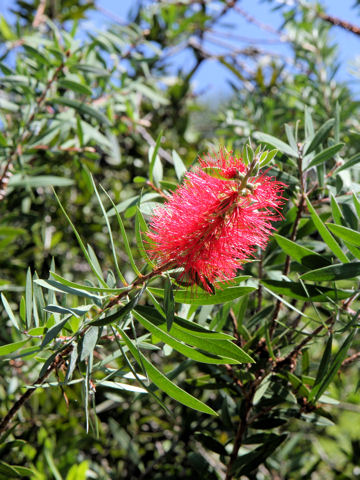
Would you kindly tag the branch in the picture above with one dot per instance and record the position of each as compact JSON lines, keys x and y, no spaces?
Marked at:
{"x":348,"y":361}
{"x":57,"y":363}
{"x":7,"y":171}
{"x":350,"y":27}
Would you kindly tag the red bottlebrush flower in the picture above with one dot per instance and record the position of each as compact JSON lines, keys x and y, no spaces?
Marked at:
{"x":215,"y":220}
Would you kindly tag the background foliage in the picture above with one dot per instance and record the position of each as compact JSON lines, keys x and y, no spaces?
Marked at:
{"x":93,"y":112}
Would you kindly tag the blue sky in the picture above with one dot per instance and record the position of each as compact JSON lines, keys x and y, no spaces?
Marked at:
{"x":211,"y":77}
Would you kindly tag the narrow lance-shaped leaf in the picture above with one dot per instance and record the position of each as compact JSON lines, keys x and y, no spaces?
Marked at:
{"x":333,"y":368}
{"x":109,"y":231}
{"x":301,"y":254}
{"x":324,"y":155}
{"x":290,"y":136}
{"x":162,"y":382}
{"x":154,"y":160}
{"x":53,"y":331}
{"x":82,"y":246}
{"x":53,"y":285}
{"x":320,"y":135}
{"x":180,"y":168}
{"x":345,"y":233}
{"x":324,"y":364}
{"x":354,"y":160}
{"x":333,"y":272}
{"x":187,"y":351}
{"x":356,"y":204}
{"x":29,"y":298}
{"x":336,"y":210}
{"x":9,"y":311}
{"x":12,"y":347}
{"x":122,"y":312}
{"x":275,"y":142}
{"x":125,"y":239}
{"x":326,"y":235}
{"x":86,"y":288}
{"x":140,"y":229}
{"x":169,"y":304}
{"x":203,"y":298}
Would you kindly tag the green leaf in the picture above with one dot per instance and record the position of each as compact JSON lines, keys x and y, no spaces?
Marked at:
{"x":99,"y":72}
{"x":10,"y":312}
{"x":296,"y":290}
{"x":214,"y":343}
{"x":187,"y":351}
{"x":72,"y":363}
{"x":120,"y":275}
{"x":326,"y":235}
{"x":246,"y":463}
{"x":185,"y":325}
{"x":39,"y":181}
{"x":302,"y":255}
{"x":333,"y":272}
{"x":308,"y":121}
{"x":77,"y":312}
{"x":28,"y":298}
{"x":336,"y":211}
{"x":151,"y":94}
{"x":53,"y":331}
{"x":75,"y":86}
{"x":140,"y":229}
{"x":37,"y":55}
{"x":162,"y":382}
{"x":82,"y":246}
{"x":120,"y":386}
{"x":89,"y":342}
{"x":320,"y":135}
{"x":3,"y":141}
{"x":5,"y":30}
{"x":333,"y":369}
{"x":169,"y":304}
{"x":82,"y":108}
{"x":325,"y":155}
{"x":290,"y":137}
{"x":8,"y":106}
{"x":12,"y":347}
{"x":297,"y":384}
{"x":324,"y":365}
{"x":202,"y":298}
{"x":266,"y":157}
{"x":65,"y":288}
{"x":8,"y":470}
{"x":180,"y":168}
{"x":124,"y":237}
{"x":275,"y":142}
{"x":356,"y":204}
{"x":120,"y":313}
{"x":337,"y":123}
{"x":155,"y":168}
{"x":354,"y":160}
{"x":86,"y":288}
{"x":346,"y":234}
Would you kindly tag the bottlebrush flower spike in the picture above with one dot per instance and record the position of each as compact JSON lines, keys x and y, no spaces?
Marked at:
{"x":215,"y":220}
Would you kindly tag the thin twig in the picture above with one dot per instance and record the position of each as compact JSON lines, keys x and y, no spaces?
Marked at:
{"x":348,"y":361}
{"x":4,"y":176}
{"x":157,"y":190}
{"x":39,"y":17}
{"x":57,"y":363}
{"x":350,"y":27}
